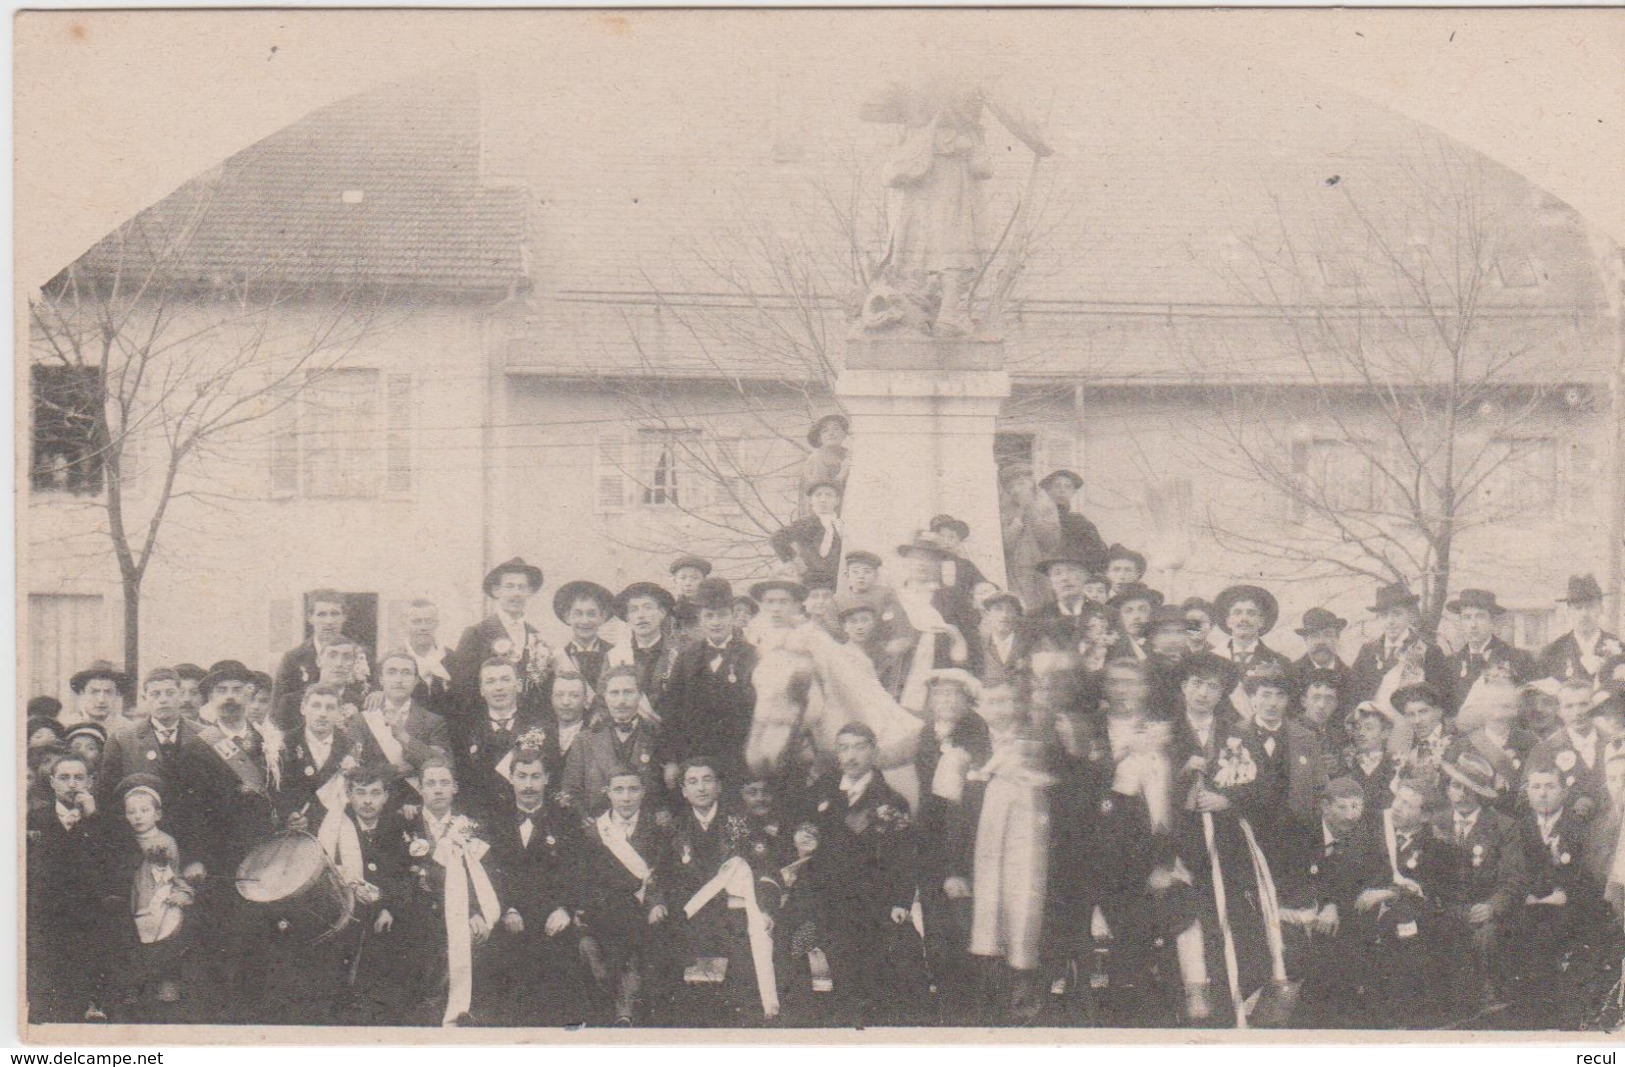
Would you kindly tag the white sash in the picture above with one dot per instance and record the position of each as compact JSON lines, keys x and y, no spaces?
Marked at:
{"x":735,"y":876}
{"x":385,"y":737}
{"x":609,"y":832}
{"x":332,"y":794}
{"x":462,"y":868}
{"x":338,"y":838}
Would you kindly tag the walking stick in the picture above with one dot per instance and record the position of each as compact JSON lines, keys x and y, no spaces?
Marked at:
{"x":1231,"y":968}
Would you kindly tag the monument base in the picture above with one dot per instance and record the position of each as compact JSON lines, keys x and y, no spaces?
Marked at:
{"x":923,"y":415}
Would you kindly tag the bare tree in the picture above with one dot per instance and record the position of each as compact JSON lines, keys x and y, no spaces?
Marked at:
{"x":165,"y":369}
{"x":1379,"y":329}
{"x":763,"y":313}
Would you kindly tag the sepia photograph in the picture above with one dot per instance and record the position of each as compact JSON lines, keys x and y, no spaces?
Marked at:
{"x":830,"y":525}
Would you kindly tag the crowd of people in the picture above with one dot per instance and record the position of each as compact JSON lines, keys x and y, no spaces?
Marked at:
{"x":1108,"y":809}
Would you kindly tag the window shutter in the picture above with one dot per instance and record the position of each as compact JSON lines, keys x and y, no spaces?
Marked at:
{"x":285,"y":451}
{"x":283,"y":622}
{"x":728,"y":483}
{"x":609,"y":471}
{"x":398,"y":435}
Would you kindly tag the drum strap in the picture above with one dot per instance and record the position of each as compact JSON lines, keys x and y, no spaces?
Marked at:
{"x":735,"y":876}
{"x":462,"y":871}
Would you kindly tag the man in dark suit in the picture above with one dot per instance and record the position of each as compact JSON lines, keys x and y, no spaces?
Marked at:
{"x":1582,"y":650}
{"x":566,"y":722}
{"x":710,"y":698}
{"x":382,"y":948}
{"x":302,"y":665}
{"x":486,"y":743}
{"x":395,"y":726}
{"x":584,"y":607}
{"x":535,"y":864}
{"x":813,"y":543}
{"x":1401,"y":640}
{"x":1066,"y":576}
{"x":958,"y":573}
{"x":504,"y":634}
{"x":924,"y":600}
{"x":1484,"y":879}
{"x":1005,"y":647}
{"x":623,"y":845}
{"x":69,"y":868}
{"x":1079,"y":537}
{"x":1292,"y":762}
{"x":1321,"y":631}
{"x":1577,"y":750}
{"x":622,"y":739}
{"x":433,"y":659}
{"x":154,"y":747}
{"x":704,"y":836}
{"x":1481,"y":650}
{"x":309,"y":781}
{"x":687,"y":572}
{"x":227,"y":766}
{"x":867,"y":884}
{"x":646,"y":608}
{"x":1246,"y":613}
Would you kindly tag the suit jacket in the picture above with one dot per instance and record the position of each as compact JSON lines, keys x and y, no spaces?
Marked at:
{"x":70,"y":872}
{"x":1229,"y":738}
{"x":1465,"y":667}
{"x":1081,"y":539}
{"x":479,"y":749}
{"x":596,"y":753}
{"x":693,"y":854}
{"x":299,"y":668}
{"x":868,"y":851}
{"x":946,"y":831}
{"x":1426,"y":860}
{"x":426,"y":735}
{"x":1303,"y":668}
{"x":137,"y":751}
{"x":710,"y":704}
{"x":1373,"y":664}
{"x":475,"y":647}
{"x":299,"y":776}
{"x":801,"y":541}
{"x":1315,"y":872}
{"x":1378,"y":785}
{"x":655,"y":665}
{"x":386,"y":865}
{"x":1303,"y":759}
{"x":539,"y":878}
{"x":966,"y":576}
{"x":1561,"y":658}
{"x":229,"y":780}
{"x":1485,"y":867}
{"x":610,"y":903}
{"x":1582,"y":781}
{"x":995,"y":670}
{"x":1558,"y":864}
{"x":1260,"y":655}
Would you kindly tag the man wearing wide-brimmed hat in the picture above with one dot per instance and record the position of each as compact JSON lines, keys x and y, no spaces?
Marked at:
{"x":1401,"y":647}
{"x":647,"y":608}
{"x":584,"y":607}
{"x":1582,"y":650}
{"x":958,"y":573}
{"x":1246,"y":613}
{"x":1482,"y":652}
{"x":931,"y":612}
{"x":504,"y":633}
{"x":102,"y":690}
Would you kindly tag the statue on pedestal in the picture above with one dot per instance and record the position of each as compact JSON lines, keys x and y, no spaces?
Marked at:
{"x":934,"y":250}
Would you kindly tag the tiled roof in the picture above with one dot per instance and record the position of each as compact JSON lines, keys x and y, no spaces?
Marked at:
{"x":383,"y":188}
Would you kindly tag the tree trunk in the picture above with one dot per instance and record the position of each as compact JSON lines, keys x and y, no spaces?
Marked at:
{"x":132,"y":625}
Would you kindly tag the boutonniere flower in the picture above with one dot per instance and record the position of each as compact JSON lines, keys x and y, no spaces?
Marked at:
{"x":688,"y":857}
{"x":1410,"y":861}
{"x":1566,"y":759}
{"x":1106,"y":806}
{"x":309,"y":771}
{"x":535,"y":737}
{"x":551,"y":840}
{"x":418,"y":848}
{"x":33,"y":835}
{"x":1314,"y":868}
{"x":502,"y":646}
{"x":1564,"y":858}
{"x":349,"y":762}
{"x":823,"y":805}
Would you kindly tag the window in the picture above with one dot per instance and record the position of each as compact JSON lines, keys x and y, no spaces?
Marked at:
{"x":65,"y":455}
{"x":347,"y":434}
{"x":1520,"y":477}
{"x":671,"y":471}
{"x":1338,"y":475}
{"x":64,"y":634}
{"x":1515,"y":271}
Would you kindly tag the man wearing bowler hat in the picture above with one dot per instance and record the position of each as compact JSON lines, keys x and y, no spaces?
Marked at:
{"x":1321,"y":631}
{"x":711,"y":696}
{"x":1481,"y":651}
{"x":504,"y":633}
{"x":1581,"y":651}
{"x":1080,"y":539}
{"x":1401,"y":642}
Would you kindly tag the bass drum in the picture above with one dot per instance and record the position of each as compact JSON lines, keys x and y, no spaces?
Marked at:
{"x":292,"y":882}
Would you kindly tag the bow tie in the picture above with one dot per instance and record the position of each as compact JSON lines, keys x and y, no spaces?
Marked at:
{"x":501,"y":725}
{"x":70,"y":818}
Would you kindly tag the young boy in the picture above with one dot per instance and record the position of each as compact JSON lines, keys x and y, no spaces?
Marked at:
{"x":863,"y":583}
{"x":813,"y":543}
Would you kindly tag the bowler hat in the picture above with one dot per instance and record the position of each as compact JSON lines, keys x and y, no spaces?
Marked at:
{"x":1071,"y":476}
{"x":948,"y":522}
{"x":1124,"y":552}
{"x":581,"y":589}
{"x":925,"y":542}
{"x":1476,"y":598}
{"x":1583,"y":589}
{"x":1166,"y":615}
{"x":1316,"y":620}
{"x":863,"y":556}
{"x":795,"y":589}
{"x":1257,"y":594}
{"x":701,"y":565}
{"x":817,"y":428}
{"x":516,"y":565}
{"x":1003,"y":596}
{"x":1397,"y":595}
{"x":743,"y":601}
{"x":1043,"y":566}
{"x":714,"y":594}
{"x":100,"y":669}
{"x":1139,"y":591}
{"x":227,"y":670}
{"x":659,"y":594}
{"x":1472,"y":771}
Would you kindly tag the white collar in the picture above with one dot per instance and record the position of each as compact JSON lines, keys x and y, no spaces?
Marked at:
{"x":1582,"y":743}
{"x":1548,"y":823}
{"x":1237,"y":650}
{"x":1465,"y":823}
{"x":316,"y":744}
{"x":63,"y":812}
{"x":500,"y":720}
{"x":1481,"y":649}
{"x":637,"y":642}
{"x":163,"y":735}
{"x":1326,"y":835}
{"x":853,"y":788}
{"x":569,"y":729}
{"x":628,"y":825}
{"x":707,"y":819}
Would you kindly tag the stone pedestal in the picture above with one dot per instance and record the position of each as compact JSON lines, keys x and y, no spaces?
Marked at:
{"x":923,"y":413}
